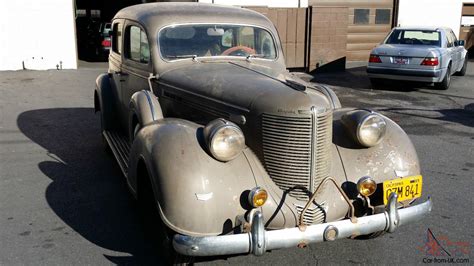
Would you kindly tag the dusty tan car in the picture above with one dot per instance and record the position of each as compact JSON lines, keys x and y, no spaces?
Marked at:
{"x":237,"y":154}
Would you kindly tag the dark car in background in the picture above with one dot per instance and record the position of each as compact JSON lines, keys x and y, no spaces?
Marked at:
{"x":103,"y":47}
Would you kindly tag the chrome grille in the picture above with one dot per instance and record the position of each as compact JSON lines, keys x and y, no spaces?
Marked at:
{"x":287,"y":152}
{"x":322,"y":147}
{"x":313,"y":215}
{"x":296,"y":151}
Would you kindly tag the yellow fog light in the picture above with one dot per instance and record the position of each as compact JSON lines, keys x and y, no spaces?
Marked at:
{"x":366,"y":186}
{"x":257,"y":197}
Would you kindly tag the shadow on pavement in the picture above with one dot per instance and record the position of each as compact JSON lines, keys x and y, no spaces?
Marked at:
{"x":460,"y":116}
{"x":356,"y":78}
{"x":88,"y":192}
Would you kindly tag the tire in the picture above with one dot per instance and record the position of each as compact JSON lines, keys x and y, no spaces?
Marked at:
{"x":463,"y":70}
{"x":375,"y":83}
{"x":444,"y":85}
{"x":154,"y":226}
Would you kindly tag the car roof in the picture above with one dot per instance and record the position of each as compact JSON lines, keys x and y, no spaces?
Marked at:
{"x":427,"y":28}
{"x":157,"y":15}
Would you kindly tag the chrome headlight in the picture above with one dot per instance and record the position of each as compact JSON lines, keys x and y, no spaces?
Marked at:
{"x":224,"y":139}
{"x":371,"y":130}
{"x":368,"y":128}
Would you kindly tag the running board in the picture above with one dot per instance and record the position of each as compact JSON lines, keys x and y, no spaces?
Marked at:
{"x":120,"y":147}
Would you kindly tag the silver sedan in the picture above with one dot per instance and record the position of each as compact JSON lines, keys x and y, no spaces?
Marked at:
{"x":418,"y":54}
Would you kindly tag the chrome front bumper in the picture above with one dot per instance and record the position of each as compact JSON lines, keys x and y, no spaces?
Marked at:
{"x":258,"y":240}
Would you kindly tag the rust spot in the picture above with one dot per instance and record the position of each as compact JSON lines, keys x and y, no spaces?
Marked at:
{"x":246,"y":227}
{"x":302,"y":227}
{"x":302,"y":245}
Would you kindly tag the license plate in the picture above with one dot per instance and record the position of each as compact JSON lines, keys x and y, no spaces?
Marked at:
{"x":407,"y":188}
{"x":400,"y":60}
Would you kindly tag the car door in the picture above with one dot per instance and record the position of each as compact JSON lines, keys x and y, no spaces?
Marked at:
{"x":451,"y":51}
{"x":137,"y":64}
{"x":458,"y":51}
{"x":115,"y":65}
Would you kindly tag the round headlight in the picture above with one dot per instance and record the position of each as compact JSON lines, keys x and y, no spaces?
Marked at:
{"x":371,"y":130}
{"x":366,"y":186}
{"x":225,"y":139}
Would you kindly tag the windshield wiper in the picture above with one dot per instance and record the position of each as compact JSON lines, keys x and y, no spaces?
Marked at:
{"x":193,"y":56}
{"x":250,"y":56}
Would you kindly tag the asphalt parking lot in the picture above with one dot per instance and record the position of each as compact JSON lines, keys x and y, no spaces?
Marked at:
{"x":63,"y":200}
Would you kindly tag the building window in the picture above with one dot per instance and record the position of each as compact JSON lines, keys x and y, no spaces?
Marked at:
{"x":95,"y":13}
{"x":138,"y":45}
{"x":117,"y":38}
{"x":81,"y":13}
{"x":382,"y":16}
{"x":361,"y":16}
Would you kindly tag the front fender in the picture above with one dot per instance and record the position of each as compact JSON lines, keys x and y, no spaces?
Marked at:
{"x":196,"y":194}
{"x":394,"y":157}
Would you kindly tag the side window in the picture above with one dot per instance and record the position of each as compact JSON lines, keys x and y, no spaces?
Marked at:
{"x":361,"y":16}
{"x":227,"y":38}
{"x":139,"y":50}
{"x":450,"y":42}
{"x":117,"y":38}
{"x":247,"y":37}
{"x":144,"y":48}
{"x":454,"y":36}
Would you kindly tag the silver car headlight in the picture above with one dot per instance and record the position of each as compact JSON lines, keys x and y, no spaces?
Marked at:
{"x":368,"y":128}
{"x":224,"y":139}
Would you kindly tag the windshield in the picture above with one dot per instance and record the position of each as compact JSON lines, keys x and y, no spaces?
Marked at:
{"x":419,"y":37}
{"x":190,"y":41}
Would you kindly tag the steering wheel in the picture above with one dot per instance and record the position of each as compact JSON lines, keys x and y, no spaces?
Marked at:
{"x":239,"y":50}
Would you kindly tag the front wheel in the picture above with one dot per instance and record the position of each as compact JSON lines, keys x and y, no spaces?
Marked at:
{"x":444,"y":85}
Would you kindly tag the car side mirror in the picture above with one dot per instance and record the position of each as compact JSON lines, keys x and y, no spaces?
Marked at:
{"x":460,"y":43}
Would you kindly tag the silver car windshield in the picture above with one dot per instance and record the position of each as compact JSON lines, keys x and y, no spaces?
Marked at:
{"x":191,"y":41}
{"x":416,"y":37}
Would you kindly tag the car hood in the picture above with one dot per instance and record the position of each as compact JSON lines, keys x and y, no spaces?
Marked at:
{"x":406,"y":50}
{"x":245,"y":86}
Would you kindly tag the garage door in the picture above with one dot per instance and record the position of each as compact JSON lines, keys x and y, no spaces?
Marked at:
{"x":467,"y":25}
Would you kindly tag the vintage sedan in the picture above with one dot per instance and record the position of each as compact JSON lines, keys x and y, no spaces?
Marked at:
{"x":234,"y":153}
{"x":429,"y":55}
